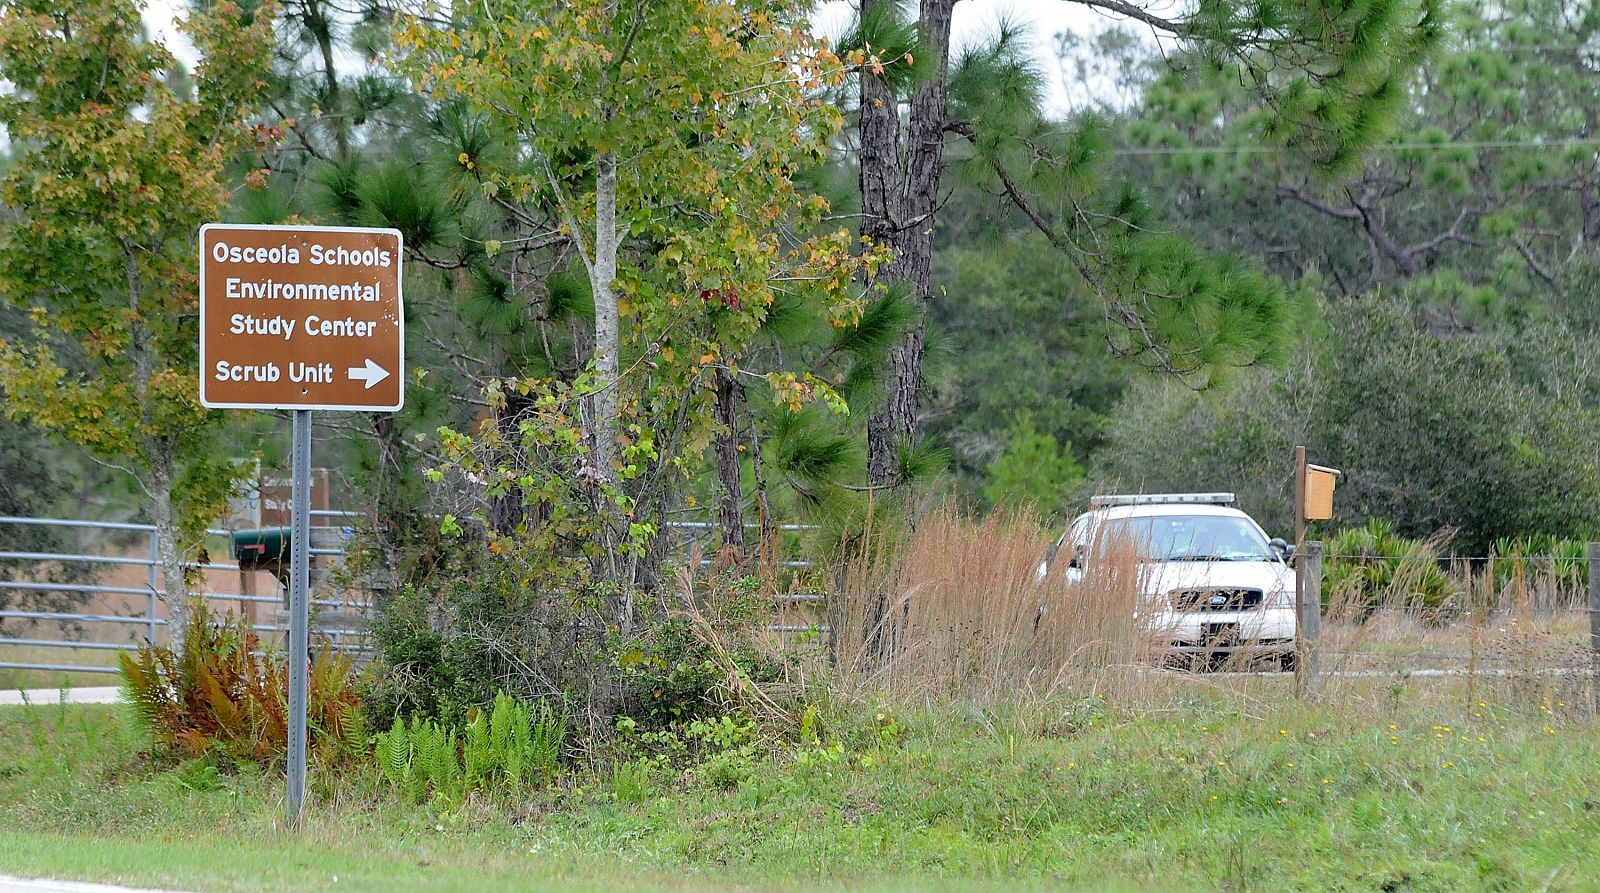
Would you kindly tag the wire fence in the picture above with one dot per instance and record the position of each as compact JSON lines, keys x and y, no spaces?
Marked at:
{"x":71,"y":609}
{"x":1419,"y":612}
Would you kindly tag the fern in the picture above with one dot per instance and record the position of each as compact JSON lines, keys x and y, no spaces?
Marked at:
{"x":478,"y":757}
{"x":505,"y":745}
{"x":500,"y":724}
{"x":416,"y":775}
{"x":447,"y":769}
{"x":221,"y":695}
{"x":146,"y":690}
{"x":549,"y":733}
{"x":394,"y":754}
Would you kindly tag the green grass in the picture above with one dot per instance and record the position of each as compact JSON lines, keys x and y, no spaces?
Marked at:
{"x":1211,"y":793}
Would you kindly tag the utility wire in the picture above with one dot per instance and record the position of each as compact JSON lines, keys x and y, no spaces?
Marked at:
{"x":1382,"y":147}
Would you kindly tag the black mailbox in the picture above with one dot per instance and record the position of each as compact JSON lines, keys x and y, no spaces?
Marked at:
{"x":264,"y":549}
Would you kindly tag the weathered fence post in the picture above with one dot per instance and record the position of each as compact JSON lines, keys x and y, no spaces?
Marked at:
{"x":1594,"y":626}
{"x":1308,"y":623}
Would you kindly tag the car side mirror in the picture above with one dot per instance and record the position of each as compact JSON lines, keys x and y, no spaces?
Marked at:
{"x":1285,"y":550}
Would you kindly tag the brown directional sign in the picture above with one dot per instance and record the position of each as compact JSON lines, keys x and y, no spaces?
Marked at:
{"x":301,"y":317}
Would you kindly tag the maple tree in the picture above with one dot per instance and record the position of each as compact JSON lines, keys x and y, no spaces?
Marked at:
{"x":666,"y":137}
{"x":117,"y":163}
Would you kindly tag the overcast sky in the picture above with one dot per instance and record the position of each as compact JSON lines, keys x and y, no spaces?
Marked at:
{"x":974,"y":19}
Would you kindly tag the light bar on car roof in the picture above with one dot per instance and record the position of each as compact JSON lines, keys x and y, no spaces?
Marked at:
{"x":1100,"y":502}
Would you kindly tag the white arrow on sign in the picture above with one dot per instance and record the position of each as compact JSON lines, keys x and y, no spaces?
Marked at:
{"x":372,"y":373}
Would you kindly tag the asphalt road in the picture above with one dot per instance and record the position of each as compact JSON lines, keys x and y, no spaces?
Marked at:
{"x":105,"y":694}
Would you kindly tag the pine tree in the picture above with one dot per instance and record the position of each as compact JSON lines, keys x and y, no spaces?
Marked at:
{"x":1327,"y":75}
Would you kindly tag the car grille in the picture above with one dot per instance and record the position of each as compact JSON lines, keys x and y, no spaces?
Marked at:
{"x":1216,"y":599}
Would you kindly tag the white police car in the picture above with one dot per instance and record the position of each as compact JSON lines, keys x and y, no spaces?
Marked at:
{"x":1213,"y":584}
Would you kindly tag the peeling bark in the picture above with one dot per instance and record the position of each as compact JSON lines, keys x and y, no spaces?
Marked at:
{"x":899,"y":197}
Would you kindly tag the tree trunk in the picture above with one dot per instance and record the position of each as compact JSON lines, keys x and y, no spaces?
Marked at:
{"x":1589,"y":207}
{"x":730,"y":496}
{"x":392,"y":509}
{"x":175,"y":589}
{"x":607,"y":330}
{"x":159,"y":457}
{"x":316,"y":21}
{"x":898,"y":203}
{"x":510,"y":511}
{"x":605,"y":403}
{"x":766,"y":525}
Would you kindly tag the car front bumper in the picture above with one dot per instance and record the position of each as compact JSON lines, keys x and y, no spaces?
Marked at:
{"x":1268,"y":630}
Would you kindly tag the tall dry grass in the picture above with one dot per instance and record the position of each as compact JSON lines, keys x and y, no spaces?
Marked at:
{"x":1512,"y":630}
{"x":955,"y":610}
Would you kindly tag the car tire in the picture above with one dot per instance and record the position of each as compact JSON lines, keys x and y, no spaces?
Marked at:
{"x":1287,"y":662}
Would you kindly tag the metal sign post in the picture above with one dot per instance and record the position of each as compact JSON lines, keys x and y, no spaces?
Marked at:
{"x":301,"y":318}
{"x":299,"y":609}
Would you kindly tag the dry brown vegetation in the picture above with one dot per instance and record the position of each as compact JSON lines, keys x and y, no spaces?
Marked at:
{"x":956,"y":610}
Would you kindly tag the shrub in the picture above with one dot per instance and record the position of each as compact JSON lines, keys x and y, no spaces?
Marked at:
{"x":704,"y":659}
{"x":722,"y":750}
{"x":221,"y":695}
{"x":1035,"y":469}
{"x":511,"y":744}
{"x":485,"y":628}
{"x":1371,"y":566}
{"x":1556,"y":571}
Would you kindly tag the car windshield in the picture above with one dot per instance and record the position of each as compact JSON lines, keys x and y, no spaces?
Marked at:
{"x":1187,"y":538}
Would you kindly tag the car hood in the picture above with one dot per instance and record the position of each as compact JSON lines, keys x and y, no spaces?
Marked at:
{"x":1270,"y":577}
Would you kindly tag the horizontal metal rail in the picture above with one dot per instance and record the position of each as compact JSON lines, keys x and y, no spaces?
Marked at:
{"x":130,"y":561}
{"x":86,"y":559}
{"x":141,"y":620}
{"x":63,"y":522}
{"x":707,"y":525}
{"x":34,"y":586}
{"x":60,"y":643}
{"x":64,"y":668}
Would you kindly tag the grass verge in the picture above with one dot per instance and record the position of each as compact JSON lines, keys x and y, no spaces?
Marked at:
{"x":1215,"y":791}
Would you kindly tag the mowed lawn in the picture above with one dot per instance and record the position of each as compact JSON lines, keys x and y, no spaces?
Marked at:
{"x":1207,"y":792}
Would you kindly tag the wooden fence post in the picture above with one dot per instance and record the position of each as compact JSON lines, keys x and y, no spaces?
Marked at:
{"x":1594,"y":625}
{"x":1308,"y":623}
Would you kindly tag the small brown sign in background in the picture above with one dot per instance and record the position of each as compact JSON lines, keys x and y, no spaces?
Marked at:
{"x":301,"y":317}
